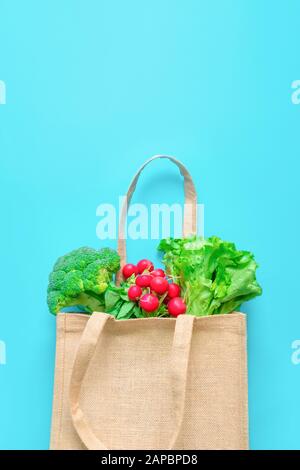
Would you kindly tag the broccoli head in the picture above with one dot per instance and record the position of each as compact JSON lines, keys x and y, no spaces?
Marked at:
{"x":80,"y":278}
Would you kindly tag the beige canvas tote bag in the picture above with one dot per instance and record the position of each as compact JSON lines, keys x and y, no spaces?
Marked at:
{"x":153,"y":383}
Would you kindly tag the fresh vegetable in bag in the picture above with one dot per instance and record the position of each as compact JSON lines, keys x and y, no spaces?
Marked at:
{"x":144,"y":292}
{"x":80,"y":278}
{"x":215,"y":277}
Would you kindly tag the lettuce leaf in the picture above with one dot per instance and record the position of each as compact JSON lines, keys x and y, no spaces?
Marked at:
{"x":215,"y":277}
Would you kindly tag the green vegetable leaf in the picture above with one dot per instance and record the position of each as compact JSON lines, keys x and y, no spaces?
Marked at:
{"x":111,"y":297}
{"x":138,"y":313}
{"x":126,"y":311}
{"x":116,"y":309}
{"x":124,"y":297}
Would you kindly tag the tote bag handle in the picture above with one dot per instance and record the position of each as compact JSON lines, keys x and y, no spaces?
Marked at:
{"x":85,"y":352}
{"x":189,"y":226}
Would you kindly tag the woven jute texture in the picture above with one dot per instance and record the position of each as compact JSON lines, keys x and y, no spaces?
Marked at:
{"x":155,"y":383}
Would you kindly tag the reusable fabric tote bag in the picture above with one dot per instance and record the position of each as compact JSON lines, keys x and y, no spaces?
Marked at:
{"x":153,"y":383}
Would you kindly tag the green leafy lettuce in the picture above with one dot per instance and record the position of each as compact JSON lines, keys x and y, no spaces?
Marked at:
{"x":215,"y":277}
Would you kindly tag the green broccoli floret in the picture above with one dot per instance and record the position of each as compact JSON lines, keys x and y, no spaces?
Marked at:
{"x":80,"y":278}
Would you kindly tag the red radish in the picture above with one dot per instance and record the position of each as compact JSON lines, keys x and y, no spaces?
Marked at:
{"x":176,"y":307}
{"x":144,"y":280}
{"x":158,"y":273}
{"x":134,"y":293}
{"x":149,"y":302}
{"x":159,"y":285}
{"x":173,"y":290}
{"x":144,"y":265}
{"x":166,"y":300}
{"x":128,"y":270}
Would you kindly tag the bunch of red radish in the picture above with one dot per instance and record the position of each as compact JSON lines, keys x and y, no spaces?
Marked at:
{"x":152,"y":287}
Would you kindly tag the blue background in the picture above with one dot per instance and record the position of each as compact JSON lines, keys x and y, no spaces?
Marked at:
{"x":93,"y":89}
